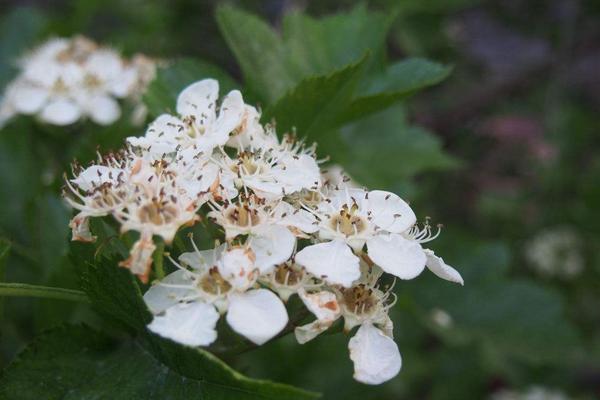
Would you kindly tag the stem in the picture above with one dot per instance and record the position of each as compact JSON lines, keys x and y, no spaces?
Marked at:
{"x":46,"y":292}
{"x":159,"y":270}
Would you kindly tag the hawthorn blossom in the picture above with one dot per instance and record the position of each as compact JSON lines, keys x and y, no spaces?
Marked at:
{"x":217,"y":281}
{"x":351,"y":219}
{"x":65,"y":80}
{"x":200,"y":123}
{"x":287,"y":229}
{"x":556,"y":252}
{"x":372,"y":349}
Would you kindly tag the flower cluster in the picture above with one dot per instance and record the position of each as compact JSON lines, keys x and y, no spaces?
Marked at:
{"x":531,"y":393}
{"x":556,"y":252}
{"x":288,"y":228}
{"x":65,"y":80}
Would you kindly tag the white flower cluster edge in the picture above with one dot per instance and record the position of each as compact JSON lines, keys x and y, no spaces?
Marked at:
{"x":289,"y":229}
{"x":67,"y":79}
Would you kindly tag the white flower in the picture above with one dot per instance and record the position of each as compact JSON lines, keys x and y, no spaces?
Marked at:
{"x":65,"y":80}
{"x":374,"y":353}
{"x":271,"y":227}
{"x":198,"y":125}
{"x":532,"y":393}
{"x":380,"y":220}
{"x":221,"y":278}
{"x":556,"y":252}
{"x":274,"y":171}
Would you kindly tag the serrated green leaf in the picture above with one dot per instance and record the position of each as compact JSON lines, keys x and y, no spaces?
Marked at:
{"x":313,"y":106}
{"x":115,"y":293}
{"x":79,"y":363}
{"x":391,"y":153}
{"x":397,"y":82}
{"x":161,"y":95}
{"x":273,"y":64}
{"x":258,"y":50}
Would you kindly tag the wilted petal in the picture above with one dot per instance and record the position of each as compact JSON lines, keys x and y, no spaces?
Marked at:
{"x":322,"y":304}
{"x":396,"y":255}
{"x":140,"y":257}
{"x":376,"y":356}
{"x":389,"y":212}
{"x":258,"y":315}
{"x":332,"y":261}
{"x":440,"y":268}
{"x":61,"y":112}
{"x":273,"y":245}
{"x":80,"y":229}
{"x":198,"y":99}
{"x":308,"y":332}
{"x":191,"y":324}
{"x":160,"y":296}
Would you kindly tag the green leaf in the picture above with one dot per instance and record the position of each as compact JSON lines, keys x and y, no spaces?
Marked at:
{"x":79,"y":363}
{"x":273,"y":64}
{"x":382,"y":150}
{"x":4,"y":251}
{"x":258,"y":50}
{"x":398,"y":82}
{"x":314,"y":105}
{"x":115,"y":293}
{"x":162,"y":93}
{"x":512,"y":318}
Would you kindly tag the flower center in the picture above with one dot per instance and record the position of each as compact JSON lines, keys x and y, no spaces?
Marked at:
{"x":92,"y":81}
{"x":288,"y":276}
{"x":213,"y":283}
{"x":242,"y":215}
{"x":347,"y":221}
{"x":157,"y":213}
{"x":359,"y":299}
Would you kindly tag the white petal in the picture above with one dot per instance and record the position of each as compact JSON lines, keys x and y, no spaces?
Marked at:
{"x":291,"y":217}
{"x":440,"y":268}
{"x":396,"y":255}
{"x":258,"y":315}
{"x":199,"y":98}
{"x":390,"y":212}
{"x":61,"y":112}
{"x":160,"y":297}
{"x":95,"y":176}
{"x":272,"y":244}
{"x":28,"y":99}
{"x":333,"y":261}
{"x":230,"y":116}
{"x":322,"y":304}
{"x":191,"y":324}
{"x":202,"y":260}
{"x":238,"y":268}
{"x":376,"y":356}
{"x":308,"y":332}
{"x":103,"y":110}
